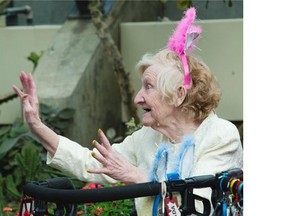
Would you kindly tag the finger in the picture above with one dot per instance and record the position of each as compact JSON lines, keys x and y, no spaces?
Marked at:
{"x":98,"y":171}
{"x":104,"y":140}
{"x":33,"y":92}
{"x":28,"y":83}
{"x":103,"y":151}
{"x":21,"y":94}
{"x":32,"y":85}
{"x":99,"y":158}
{"x":24,"y":81}
{"x":17,"y":90}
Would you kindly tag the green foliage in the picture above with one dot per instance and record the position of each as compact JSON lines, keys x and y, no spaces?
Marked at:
{"x":3,"y":5}
{"x":163,"y":1}
{"x":22,"y":157}
{"x":22,"y":160}
{"x":131,"y":126}
{"x":181,"y":4}
{"x":57,"y":120}
{"x":118,"y":207}
{"x":34,"y":58}
{"x":184,"y":4}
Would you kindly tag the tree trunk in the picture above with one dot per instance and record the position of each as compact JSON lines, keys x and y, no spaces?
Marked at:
{"x":102,"y":25}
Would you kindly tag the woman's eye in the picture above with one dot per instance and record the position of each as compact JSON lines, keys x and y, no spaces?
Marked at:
{"x":148,"y":86}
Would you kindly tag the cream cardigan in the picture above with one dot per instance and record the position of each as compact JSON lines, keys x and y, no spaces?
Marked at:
{"x":217,"y":148}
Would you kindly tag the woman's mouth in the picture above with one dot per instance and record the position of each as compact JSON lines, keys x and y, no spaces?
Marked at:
{"x":146,"y":110}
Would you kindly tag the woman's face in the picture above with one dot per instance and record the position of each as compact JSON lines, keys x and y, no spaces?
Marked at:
{"x":149,"y":98}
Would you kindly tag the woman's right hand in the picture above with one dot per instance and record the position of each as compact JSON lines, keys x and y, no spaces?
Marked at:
{"x":29,"y":100}
{"x":30,"y":104}
{"x":115,"y":165}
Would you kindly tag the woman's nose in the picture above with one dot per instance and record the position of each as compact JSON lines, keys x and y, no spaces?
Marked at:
{"x":138,"y":98}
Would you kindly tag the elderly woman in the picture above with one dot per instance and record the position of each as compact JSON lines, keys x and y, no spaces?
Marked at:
{"x":181,"y":134}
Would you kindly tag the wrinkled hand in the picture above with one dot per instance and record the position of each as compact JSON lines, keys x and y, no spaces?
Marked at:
{"x":29,"y":99}
{"x":114,"y":165}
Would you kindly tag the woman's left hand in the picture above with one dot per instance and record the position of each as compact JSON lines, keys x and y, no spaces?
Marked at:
{"x":114,"y":165}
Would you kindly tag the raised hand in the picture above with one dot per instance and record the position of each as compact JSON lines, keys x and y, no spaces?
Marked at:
{"x":114,"y":165}
{"x":29,"y":99}
{"x":30,"y":104}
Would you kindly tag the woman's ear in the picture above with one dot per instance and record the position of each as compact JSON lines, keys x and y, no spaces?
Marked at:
{"x":181,"y":94}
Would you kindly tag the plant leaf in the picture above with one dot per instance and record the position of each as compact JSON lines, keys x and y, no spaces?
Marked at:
{"x":4,"y":130}
{"x":61,"y":124}
{"x":66,"y":113}
{"x":7,"y":145}
{"x":45,"y":109}
{"x":11,"y":187}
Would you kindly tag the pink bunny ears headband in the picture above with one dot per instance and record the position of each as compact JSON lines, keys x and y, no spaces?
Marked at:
{"x":183,"y":40}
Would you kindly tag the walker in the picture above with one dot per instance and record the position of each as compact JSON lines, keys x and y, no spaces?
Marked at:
{"x":226,"y":198}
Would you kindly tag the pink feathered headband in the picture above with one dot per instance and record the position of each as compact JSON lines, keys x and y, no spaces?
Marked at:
{"x":183,"y":40}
